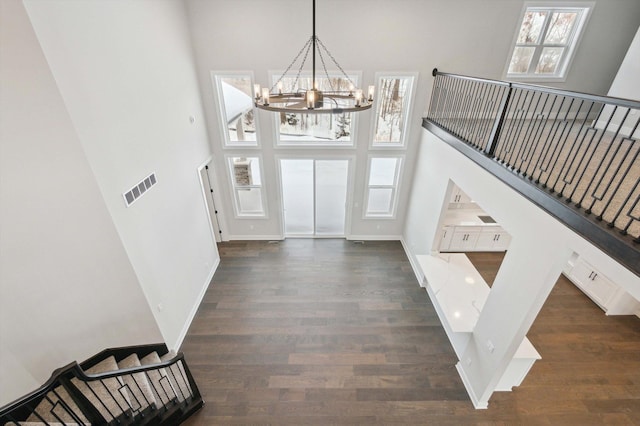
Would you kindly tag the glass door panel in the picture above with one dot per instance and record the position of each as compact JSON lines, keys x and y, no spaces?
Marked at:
{"x":297,"y":196}
{"x":331,"y":196}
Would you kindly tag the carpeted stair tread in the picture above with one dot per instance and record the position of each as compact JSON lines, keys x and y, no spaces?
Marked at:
{"x":178,"y":377}
{"x":160,"y":383}
{"x":109,"y":396}
{"x":138,"y":386}
{"x":46,"y":405}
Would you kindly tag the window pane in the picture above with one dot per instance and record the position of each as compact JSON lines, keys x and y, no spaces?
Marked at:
{"x":250,"y":201}
{"x":237,"y":108}
{"x":246,"y":171}
{"x":521,"y":59}
{"x":297,"y":196}
{"x":393,"y":101}
{"x":549,"y":60}
{"x":379,"y":200}
{"x":531,"y":28}
{"x":383,"y":171}
{"x":320,"y":128}
{"x":331,"y":196}
{"x":560,"y":28}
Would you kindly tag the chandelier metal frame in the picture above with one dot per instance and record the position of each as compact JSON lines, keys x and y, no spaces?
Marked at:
{"x":313,"y":101}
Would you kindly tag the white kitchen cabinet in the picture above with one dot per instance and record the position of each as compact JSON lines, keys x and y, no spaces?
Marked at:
{"x":493,"y":239}
{"x":445,"y":237}
{"x":457,"y":196}
{"x":606,"y":294}
{"x":474,"y":238}
{"x":464,"y":238}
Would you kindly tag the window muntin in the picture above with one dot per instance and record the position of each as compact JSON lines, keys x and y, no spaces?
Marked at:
{"x":382,"y":186}
{"x":394,"y":95}
{"x":545,"y":42}
{"x":316,"y":129}
{"x":236,"y":109}
{"x":246,"y":180}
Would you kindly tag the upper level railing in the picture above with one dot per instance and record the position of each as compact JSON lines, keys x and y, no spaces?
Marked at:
{"x":580,"y":148}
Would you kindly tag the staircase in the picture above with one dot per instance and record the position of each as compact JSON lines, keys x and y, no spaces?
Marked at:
{"x":135,"y":385}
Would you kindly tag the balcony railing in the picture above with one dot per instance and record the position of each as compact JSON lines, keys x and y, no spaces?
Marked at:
{"x":582,"y":149}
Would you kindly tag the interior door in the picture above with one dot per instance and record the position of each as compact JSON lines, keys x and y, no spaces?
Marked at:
{"x":314,"y":194}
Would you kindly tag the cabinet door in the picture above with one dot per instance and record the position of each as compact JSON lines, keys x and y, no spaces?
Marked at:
{"x":458,"y":240}
{"x":592,"y":283}
{"x":502,"y":241}
{"x":601,"y":288}
{"x":581,"y":275}
{"x":458,"y":196}
{"x":464,"y":238}
{"x":486,"y":240}
{"x":446,"y":237}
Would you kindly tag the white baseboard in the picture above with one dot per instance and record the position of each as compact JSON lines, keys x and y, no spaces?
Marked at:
{"x":194,"y":309}
{"x":374,"y":237}
{"x":255,"y":238}
{"x":465,"y":381}
{"x":413,"y":262}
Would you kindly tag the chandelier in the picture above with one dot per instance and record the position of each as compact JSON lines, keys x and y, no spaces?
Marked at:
{"x":333,"y":101}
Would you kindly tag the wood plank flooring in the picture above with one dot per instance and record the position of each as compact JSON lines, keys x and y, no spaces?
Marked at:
{"x":333,"y":332}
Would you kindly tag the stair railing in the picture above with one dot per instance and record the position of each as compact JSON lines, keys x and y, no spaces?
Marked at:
{"x":160,"y":393}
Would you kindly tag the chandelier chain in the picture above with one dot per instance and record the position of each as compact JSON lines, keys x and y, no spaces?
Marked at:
{"x":305,"y":49}
{"x":334,"y":61}
{"x":324,"y":67}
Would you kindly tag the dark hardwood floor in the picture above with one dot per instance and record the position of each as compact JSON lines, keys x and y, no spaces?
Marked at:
{"x":334,"y":332}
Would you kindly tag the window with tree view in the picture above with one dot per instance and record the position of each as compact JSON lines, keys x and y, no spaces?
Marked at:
{"x":545,"y":42}
{"x":317,"y":129}
{"x":392,"y":110}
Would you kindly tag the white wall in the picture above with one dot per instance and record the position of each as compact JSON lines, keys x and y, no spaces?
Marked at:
{"x":627,"y":81}
{"x":540,"y":247}
{"x":125,"y":71}
{"x":460,"y":36}
{"x":67,"y":288}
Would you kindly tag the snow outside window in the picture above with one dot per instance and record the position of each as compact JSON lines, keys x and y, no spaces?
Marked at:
{"x":545,"y":42}
{"x":235,"y":109}
{"x":382,"y":187}
{"x":246,"y":179}
{"x":394,"y":96}
{"x":316,"y":129}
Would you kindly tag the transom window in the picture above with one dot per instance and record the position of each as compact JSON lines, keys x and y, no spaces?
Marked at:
{"x":545,"y":42}
{"x":316,"y":129}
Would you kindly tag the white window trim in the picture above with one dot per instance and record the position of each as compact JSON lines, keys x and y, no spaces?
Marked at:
{"x":356,"y":76}
{"x":234,"y":187}
{"x":221,"y":113}
{"x":410,"y":103}
{"x":395,"y":188}
{"x":573,"y":46}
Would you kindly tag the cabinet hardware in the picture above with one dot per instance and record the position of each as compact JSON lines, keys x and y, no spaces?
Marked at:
{"x":591,"y":274}
{"x":594,"y":277}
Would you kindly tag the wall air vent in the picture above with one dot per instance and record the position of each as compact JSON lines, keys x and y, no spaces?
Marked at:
{"x":139,"y":189}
